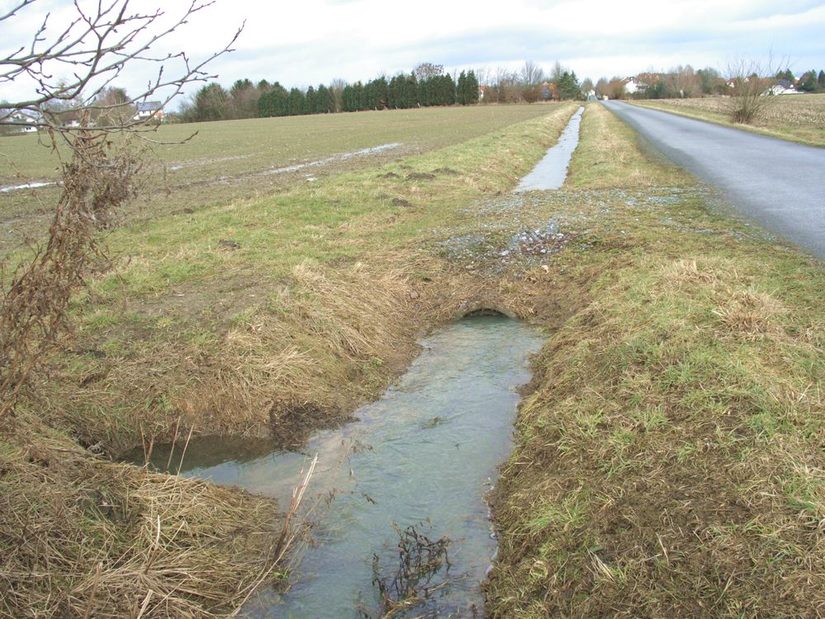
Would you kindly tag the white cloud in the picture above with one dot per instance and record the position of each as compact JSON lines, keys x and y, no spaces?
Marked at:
{"x":314,"y":41}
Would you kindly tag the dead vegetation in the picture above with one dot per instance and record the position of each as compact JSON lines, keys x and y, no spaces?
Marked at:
{"x":423,"y":569}
{"x":34,"y":304}
{"x":82,"y":538}
{"x":669,"y":458}
{"x":281,"y":355}
{"x":657,"y":455}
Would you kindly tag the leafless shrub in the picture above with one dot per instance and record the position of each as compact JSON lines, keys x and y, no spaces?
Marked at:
{"x":98,"y":180}
{"x":749,"y":83}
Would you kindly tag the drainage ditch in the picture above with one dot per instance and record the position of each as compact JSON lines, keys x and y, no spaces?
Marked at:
{"x":419,"y":459}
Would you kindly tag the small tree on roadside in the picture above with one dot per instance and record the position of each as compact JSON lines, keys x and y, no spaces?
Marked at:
{"x":568,"y":85}
{"x":749,"y":91}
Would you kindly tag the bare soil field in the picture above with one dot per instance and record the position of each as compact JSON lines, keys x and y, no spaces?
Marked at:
{"x":800,"y":118}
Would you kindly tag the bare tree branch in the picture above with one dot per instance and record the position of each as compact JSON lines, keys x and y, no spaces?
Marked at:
{"x":94,"y":47}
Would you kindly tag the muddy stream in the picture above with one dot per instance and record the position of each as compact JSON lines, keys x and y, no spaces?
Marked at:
{"x":424,"y":455}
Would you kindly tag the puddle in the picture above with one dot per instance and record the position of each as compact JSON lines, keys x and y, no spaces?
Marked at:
{"x":34,"y":185}
{"x":426,"y":451}
{"x":372,"y":150}
{"x":180,"y":165}
{"x":551,"y":171}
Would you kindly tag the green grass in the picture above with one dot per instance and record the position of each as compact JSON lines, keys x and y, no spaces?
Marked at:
{"x":176,"y":293}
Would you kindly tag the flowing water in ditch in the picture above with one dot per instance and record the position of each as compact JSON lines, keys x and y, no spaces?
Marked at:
{"x":426,"y":452}
{"x":551,"y":171}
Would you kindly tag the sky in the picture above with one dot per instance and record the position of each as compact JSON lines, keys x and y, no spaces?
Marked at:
{"x":315,"y":41}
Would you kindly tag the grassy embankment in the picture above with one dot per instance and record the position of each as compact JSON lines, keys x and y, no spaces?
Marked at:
{"x":800,"y":118}
{"x":671,"y":456}
{"x":253,"y":315}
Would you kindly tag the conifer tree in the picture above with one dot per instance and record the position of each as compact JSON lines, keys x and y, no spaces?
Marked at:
{"x":381,"y":93}
{"x":310,"y":103}
{"x":807,"y":82}
{"x":447,"y":90}
{"x":273,"y":102}
{"x":411,"y":91}
{"x":347,"y":99}
{"x":461,"y":89}
{"x":472,"y":88}
{"x":321,"y":100}
{"x":296,"y":103}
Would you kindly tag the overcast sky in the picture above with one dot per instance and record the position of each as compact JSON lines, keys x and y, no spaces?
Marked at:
{"x":315,"y":41}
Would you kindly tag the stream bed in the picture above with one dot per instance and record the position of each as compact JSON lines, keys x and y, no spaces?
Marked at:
{"x":551,"y":171}
{"x":423,"y":455}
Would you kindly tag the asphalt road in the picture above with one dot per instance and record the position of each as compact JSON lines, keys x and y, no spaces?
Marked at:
{"x":779,"y":184}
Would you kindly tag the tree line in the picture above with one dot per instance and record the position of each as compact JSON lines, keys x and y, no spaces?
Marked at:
{"x":685,"y":82}
{"x":427,"y":85}
{"x":531,"y":84}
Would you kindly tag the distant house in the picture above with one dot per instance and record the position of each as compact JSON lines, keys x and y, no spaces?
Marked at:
{"x":149,"y":109}
{"x":482,"y":90}
{"x":633,"y":86}
{"x":22,"y":120}
{"x":782,"y":87}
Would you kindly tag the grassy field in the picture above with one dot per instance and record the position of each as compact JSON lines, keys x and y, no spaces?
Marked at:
{"x":243,"y":159}
{"x":800,"y":118}
{"x":669,"y":457}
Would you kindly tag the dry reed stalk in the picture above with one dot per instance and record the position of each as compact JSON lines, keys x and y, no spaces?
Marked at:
{"x":104,"y":540}
{"x":185,"y":446}
{"x":174,"y":442}
{"x":285,"y":539}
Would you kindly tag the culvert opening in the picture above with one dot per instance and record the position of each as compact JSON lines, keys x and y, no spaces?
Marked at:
{"x":486,"y":311}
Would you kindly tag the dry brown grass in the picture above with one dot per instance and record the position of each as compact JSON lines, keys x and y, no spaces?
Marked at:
{"x":240,"y":350}
{"x":81,"y":538}
{"x":794,"y":117}
{"x":670,"y":458}
{"x":661,"y":469}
